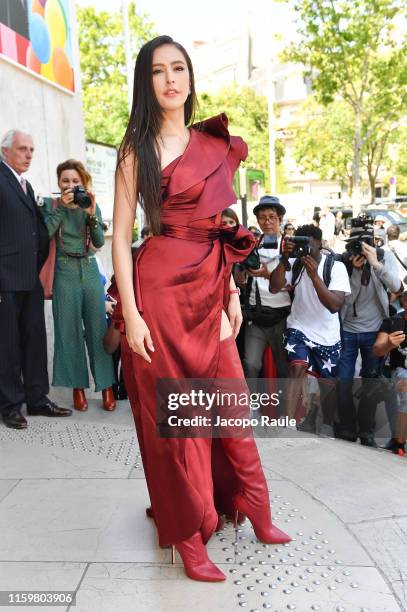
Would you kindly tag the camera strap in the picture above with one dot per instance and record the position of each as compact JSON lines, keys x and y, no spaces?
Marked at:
{"x":393,"y":250}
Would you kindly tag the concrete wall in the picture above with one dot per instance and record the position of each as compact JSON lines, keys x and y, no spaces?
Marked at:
{"x":53,"y":117}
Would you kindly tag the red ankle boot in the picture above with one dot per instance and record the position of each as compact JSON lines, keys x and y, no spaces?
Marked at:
{"x":253,"y":499}
{"x":196,"y":562}
{"x":109,"y":403}
{"x":79,"y":400}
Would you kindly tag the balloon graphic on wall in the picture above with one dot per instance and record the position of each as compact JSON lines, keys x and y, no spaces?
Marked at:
{"x":62,"y":69}
{"x":33,"y":63}
{"x":54,"y":18}
{"x":44,"y":44}
{"x":47,"y":71}
{"x":38,"y":7}
{"x":39,"y":37}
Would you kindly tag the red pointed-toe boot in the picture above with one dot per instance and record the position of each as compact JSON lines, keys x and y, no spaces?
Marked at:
{"x":253,"y":499}
{"x":109,"y":402}
{"x":79,"y":400}
{"x":196,"y":562}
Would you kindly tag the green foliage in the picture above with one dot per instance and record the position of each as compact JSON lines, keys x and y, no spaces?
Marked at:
{"x":356,"y":51}
{"x":323,"y":140}
{"x":248,"y":117}
{"x":399,"y":161}
{"x":103,"y":69}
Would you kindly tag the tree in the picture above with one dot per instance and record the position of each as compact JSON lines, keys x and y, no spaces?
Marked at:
{"x":356,"y":51}
{"x":103,"y":69}
{"x":323,"y":143}
{"x":248,"y":117}
{"x":322,"y":137}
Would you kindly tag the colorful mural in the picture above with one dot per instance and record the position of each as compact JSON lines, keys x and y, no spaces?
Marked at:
{"x":37,"y":35}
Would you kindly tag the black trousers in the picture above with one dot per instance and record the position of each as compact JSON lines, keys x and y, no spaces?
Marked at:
{"x":23,"y":349}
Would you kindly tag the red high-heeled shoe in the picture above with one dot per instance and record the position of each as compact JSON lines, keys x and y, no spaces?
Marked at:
{"x":205,"y":538}
{"x":253,"y":499}
{"x":109,"y":402}
{"x":197,"y":564}
{"x":79,"y":400}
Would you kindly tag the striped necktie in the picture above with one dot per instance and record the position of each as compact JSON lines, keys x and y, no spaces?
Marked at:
{"x":23,"y":184}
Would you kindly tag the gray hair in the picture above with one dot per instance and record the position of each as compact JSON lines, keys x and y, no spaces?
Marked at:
{"x":8,"y":139}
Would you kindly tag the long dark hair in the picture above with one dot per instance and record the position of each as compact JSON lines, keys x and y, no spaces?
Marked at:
{"x":140,"y":138}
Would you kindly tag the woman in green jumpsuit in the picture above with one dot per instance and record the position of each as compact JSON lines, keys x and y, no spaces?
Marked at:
{"x":78,"y":303}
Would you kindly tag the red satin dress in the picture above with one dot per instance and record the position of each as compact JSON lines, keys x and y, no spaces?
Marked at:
{"x":181,"y":282}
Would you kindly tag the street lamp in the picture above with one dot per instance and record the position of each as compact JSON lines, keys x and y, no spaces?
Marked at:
{"x":243,"y":194}
{"x":272,"y":132}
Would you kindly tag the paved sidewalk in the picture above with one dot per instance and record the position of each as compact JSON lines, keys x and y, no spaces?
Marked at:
{"x":72,"y":517}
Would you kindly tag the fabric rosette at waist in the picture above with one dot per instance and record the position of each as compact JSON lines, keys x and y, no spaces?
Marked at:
{"x":235,"y":245}
{"x":194,"y":234}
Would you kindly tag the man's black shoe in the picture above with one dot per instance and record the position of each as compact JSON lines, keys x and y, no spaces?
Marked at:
{"x":368,"y":441}
{"x":15,"y":419}
{"x":346,"y":435}
{"x":49,"y":409}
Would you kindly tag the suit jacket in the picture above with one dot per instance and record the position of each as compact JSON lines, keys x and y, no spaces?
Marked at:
{"x":24,"y":240}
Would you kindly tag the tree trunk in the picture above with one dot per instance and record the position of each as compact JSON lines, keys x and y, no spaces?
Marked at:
{"x":356,"y":179}
{"x":372,"y":184}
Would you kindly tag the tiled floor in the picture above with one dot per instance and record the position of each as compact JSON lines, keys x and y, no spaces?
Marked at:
{"x":72,"y":517}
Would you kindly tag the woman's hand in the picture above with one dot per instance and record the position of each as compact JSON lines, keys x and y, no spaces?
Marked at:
{"x":235,"y":314}
{"x":67,"y":199}
{"x":92,"y":208}
{"x":138,"y":336}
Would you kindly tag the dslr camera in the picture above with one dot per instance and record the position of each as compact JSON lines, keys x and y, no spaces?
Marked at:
{"x":268,"y":241}
{"x":302,"y":246}
{"x":81,"y":197}
{"x":362,"y":230}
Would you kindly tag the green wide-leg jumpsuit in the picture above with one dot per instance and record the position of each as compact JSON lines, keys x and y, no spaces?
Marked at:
{"x":78,"y":302}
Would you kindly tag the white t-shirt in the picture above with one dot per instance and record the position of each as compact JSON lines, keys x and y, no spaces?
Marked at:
{"x":271,"y":258}
{"x":327,"y":226}
{"x":399,"y":247}
{"x":308,"y":314}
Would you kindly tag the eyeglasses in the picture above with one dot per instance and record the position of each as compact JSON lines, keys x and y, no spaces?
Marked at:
{"x":268,"y":218}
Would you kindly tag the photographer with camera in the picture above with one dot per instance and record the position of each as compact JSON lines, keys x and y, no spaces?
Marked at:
{"x":265,"y":314}
{"x":392,"y":339}
{"x":373,"y":273}
{"x":75,"y":221}
{"x":319,"y":285}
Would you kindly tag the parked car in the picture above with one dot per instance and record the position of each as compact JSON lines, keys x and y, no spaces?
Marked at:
{"x":393,"y":217}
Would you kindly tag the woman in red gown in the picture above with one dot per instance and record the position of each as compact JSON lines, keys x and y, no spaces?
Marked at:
{"x":179,"y":303}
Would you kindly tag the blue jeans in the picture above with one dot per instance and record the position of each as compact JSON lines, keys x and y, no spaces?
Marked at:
{"x":360,"y":422}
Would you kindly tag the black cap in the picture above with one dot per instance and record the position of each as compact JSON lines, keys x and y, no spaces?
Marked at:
{"x":268,"y":201}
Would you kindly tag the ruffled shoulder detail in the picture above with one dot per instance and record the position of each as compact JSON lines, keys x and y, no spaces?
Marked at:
{"x":213,"y":156}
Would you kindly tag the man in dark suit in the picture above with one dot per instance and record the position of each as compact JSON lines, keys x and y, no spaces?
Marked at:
{"x":24,"y":246}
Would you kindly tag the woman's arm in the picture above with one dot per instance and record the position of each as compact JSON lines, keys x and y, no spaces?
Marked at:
{"x":96,"y":230}
{"x":123,"y":220}
{"x":52,"y":216}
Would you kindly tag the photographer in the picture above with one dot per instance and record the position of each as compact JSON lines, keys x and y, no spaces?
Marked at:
{"x":319,"y":284}
{"x":75,"y":220}
{"x":266,"y":314}
{"x":392,"y":339}
{"x":373,"y":272}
